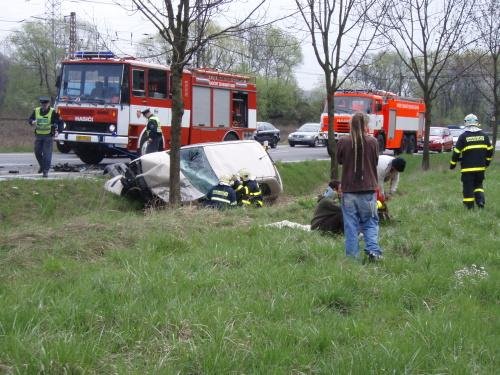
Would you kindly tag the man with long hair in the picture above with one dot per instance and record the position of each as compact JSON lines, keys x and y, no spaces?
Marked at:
{"x":358,"y":155}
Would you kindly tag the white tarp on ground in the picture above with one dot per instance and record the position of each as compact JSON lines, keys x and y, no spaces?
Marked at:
{"x":289,"y":224}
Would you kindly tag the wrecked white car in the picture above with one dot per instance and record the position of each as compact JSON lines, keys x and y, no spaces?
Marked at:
{"x":147,"y":177}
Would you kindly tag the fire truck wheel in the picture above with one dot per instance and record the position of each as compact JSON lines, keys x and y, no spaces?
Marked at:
{"x":230,"y":137}
{"x":63,"y":147}
{"x":410,"y":144}
{"x":89,"y":154}
{"x":381,"y":143}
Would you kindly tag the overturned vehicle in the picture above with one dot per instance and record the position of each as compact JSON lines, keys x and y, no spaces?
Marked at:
{"x":147,"y":178}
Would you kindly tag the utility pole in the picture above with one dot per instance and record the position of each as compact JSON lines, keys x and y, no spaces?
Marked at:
{"x":52,"y":16}
{"x":72,"y":33}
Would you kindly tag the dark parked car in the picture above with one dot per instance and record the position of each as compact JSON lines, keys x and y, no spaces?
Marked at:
{"x":267,"y":132}
{"x":308,"y":134}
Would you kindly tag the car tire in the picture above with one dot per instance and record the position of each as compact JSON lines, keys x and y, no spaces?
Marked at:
{"x":291,"y":144}
{"x":274,"y":143}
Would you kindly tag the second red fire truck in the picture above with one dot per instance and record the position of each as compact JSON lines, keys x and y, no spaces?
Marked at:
{"x":397,"y":122}
{"x":101,"y":97}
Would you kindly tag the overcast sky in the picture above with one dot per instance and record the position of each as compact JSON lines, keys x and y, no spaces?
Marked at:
{"x":130,"y":28}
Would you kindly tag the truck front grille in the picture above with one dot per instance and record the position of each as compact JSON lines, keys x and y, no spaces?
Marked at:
{"x":88,"y":127}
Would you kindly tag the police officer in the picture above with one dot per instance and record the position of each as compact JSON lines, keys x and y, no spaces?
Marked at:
{"x":46,"y":122}
{"x":474,"y":151}
{"x":253,"y":192}
{"x":221,"y":195}
{"x":153,"y":131}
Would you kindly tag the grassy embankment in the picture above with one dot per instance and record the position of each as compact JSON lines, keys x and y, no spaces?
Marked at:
{"x":16,"y":136}
{"x":90,"y":283}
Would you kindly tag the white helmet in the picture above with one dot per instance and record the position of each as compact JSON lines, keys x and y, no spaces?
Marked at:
{"x":244,"y":174}
{"x":471,"y":120}
{"x":225,"y":180}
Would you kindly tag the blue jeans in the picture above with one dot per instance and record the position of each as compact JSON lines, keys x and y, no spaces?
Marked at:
{"x":43,"y":151}
{"x":360,"y":213}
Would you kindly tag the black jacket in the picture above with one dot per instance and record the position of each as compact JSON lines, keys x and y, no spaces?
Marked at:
{"x":473,"y":150}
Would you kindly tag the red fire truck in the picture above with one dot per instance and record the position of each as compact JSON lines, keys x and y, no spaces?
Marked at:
{"x":101,"y":97}
{"x":396,"y":122}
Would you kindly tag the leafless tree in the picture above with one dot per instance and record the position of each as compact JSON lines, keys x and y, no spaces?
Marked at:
{"x":184,"y":24}
{"x":342,"y":32}
{"x":488,"y":24}
{"x":426,"y":34}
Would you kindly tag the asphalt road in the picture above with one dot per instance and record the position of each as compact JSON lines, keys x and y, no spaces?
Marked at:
{"x":24,"y":165}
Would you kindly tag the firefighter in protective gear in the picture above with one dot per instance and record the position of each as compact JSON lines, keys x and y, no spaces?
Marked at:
{"x":153,"y":131}
{"x":254,"y":194}
{"x":222,"y":195}
{"x":474,"y":151}
{"x":46,"y":122}
{"x":240,"y":190}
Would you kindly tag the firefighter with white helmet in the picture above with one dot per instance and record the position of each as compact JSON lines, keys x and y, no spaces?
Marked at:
{"x":254,"y":194}
{"x":240,"y":189}
{"x":221,"y":195}
{"x":474,"y":151}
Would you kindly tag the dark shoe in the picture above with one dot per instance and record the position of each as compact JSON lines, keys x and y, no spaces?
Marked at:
{"x":372,"y":257}
{"x":39,"y":170}
{"x":45,"y":174}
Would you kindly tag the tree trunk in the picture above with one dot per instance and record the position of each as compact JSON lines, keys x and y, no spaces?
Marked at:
{"x":496,"y":102}
{"x":425,"y":156}
{"x":175,"y":135}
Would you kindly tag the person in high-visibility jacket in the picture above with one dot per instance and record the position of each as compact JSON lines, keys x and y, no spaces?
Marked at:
{"x":241,"y":190}
{"x":222,"y":195}
{"x":153,"y":131}
{"x":252,"y":189}
{"x":46,"y":121}
{"x":474,"y":151}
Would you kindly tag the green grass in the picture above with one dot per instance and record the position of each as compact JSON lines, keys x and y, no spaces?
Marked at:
{"x":90,"y":283}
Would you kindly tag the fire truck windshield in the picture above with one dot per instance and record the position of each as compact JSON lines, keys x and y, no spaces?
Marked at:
{"x":91,"y":83}
{"x":353,"y":104}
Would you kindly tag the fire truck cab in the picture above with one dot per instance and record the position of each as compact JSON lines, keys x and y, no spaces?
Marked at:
{"x":101,"y":97}
{"x":396,"y":122}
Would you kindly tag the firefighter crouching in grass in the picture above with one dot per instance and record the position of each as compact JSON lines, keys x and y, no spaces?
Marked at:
{"x":46,"y":121}
{"x":327,"y":217}
{"x":247,"y":189}
{"x":474,"y":151}
{"x":222,"y":195}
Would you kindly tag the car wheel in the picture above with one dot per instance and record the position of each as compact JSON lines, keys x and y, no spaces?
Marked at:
{"x":274,"y":143}
{"x":316,"y":143}
{"x":291,"y":144}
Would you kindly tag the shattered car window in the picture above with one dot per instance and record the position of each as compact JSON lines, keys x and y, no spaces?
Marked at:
{"x":195,"y":166}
